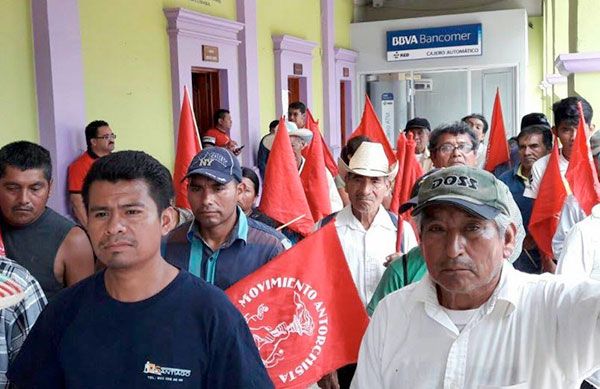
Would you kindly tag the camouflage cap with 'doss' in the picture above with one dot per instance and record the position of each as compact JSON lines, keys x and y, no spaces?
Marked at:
{"x":474,"y":190}
{"x":216,"y":163}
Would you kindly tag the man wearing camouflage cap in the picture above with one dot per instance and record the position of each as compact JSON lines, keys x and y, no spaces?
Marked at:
{"x":473,"y":320}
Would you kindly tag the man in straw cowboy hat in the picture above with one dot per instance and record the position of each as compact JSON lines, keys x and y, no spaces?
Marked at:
{"x":473,"y":320}
{"x":367,"y":232}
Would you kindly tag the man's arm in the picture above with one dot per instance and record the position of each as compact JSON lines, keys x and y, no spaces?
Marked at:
{"x":78,"y":208}
{"x":235,"y":361}
{"x":570,"y":215}
{"x":75,"y":258}
{"x":21,"y":317}
{"x":37,"y":364}
{"x":573,"y":260}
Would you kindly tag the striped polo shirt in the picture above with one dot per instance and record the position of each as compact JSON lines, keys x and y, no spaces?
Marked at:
{"x":250,"y":245}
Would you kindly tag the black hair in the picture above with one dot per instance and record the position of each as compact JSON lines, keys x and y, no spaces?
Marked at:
{"x":91,"y":131}
{"x":273,"y":124}
{"x":476,"y":116}
{"x":129,"y":166}
{"x":297,"y":105}
{"x":351,"y":146}
{"x":538,"y":129}
{"x":25,"y":155}
{"x":566,"y":110}
{"x":220,"y":114}
{"x":456,"y":128}
{"x":251,"y":175}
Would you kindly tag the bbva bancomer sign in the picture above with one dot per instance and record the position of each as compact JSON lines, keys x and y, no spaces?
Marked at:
{"x":450,"y":41}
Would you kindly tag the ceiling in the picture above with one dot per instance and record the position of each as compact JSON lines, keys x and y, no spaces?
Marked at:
{"x":371,"y":10}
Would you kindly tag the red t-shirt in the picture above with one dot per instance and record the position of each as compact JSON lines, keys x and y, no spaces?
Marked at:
{"x":77,"y":171}
{"x":221,"y":138}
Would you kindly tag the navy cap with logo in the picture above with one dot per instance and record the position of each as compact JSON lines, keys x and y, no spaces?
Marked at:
{"x":474,"y":190}
{"x":216,"y":163}
{"x":417,"y":123}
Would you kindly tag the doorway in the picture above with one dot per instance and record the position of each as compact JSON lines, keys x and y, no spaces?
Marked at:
{"x":441,"y":96}
{"x":293,"y":89}
{"x":205,"y":96}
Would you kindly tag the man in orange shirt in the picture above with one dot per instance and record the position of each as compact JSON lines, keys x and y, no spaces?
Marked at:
{"x":221,"y":131}
{"x":100,"y":141}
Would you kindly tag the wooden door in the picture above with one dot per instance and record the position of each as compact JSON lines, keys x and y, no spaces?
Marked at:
{"x":205,"y":95}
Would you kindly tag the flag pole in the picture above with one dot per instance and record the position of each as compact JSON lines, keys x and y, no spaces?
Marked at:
{"x":290,"y":222}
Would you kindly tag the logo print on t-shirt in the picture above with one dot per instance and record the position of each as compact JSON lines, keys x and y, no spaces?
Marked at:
{"x":160,"y":373}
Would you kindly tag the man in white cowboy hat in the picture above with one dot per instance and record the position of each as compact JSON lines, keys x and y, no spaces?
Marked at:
{"x":300,"y":138}
{"x":367,"y":232}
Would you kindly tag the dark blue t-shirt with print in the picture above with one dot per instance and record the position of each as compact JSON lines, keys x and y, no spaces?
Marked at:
{"x":187,"y":336}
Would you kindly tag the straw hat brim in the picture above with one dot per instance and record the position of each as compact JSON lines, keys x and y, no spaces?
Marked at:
{"x":344,"y":169}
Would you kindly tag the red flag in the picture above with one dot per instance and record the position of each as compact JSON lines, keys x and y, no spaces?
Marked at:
{"x":303,"y":311}
{"x":313,"y":125}
{"x":314,"y":179}
{"x":497,"y":150}
{"x":188,"y":145}
{"x":371,"y":127}
{"x":548,"y":205}
{"x":408,"y":173}
{"x":581,"y":173}
{"x":283,"y":197}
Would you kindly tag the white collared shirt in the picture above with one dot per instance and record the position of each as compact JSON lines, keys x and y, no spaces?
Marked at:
{"x":536,"y":331}
{"x":581,"y":251}
{"x":537,"y":172}
{"x":366,"y":250}
{"x":570,"y":215}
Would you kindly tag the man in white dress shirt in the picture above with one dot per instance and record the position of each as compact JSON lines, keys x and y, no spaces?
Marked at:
{"x":474,"y":321}
{"x":367,"y":232}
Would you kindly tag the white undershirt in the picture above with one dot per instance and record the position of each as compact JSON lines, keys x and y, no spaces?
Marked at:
{"x":460,"y":318}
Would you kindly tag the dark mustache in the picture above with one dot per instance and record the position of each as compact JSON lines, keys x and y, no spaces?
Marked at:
{"x":111,"y":241}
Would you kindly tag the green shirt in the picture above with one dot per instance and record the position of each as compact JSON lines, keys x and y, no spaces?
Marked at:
{"x":393,"y":278}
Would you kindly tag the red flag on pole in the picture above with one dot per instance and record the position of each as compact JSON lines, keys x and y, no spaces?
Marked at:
{"x":371,"y":127}
{"x":548,"y":205}
{"x":303,"y":311}
{"x":314,"y":179}
{"x":408,"y":173}
{"x":313,"y":125}
{"x":581,"y":173}
{"x":497,"y":150}
{"x":283,"y":197}
{"x":188,"y":145}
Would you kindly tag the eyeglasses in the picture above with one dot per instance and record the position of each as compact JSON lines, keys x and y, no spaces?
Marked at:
{"x":448,"y":148}
{"x":107,"y":137}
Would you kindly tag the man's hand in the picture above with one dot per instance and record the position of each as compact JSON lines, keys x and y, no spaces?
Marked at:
{"x":391,"y":258}
{"x":330,"y":381}
{"x":548,"y":265}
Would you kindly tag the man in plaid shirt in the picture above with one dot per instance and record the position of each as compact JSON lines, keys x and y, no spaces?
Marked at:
{"x":16,"y":319}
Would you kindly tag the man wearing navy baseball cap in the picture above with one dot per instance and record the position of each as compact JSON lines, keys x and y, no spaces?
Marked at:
{"x":221,"y":245}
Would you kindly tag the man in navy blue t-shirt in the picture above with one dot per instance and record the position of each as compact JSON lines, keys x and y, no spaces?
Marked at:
{"x":141,"y":323}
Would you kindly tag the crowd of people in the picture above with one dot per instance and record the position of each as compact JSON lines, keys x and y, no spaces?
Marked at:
{"x":127,"y":290}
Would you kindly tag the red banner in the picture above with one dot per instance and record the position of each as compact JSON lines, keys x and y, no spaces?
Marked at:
{"x":303,"y":311}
